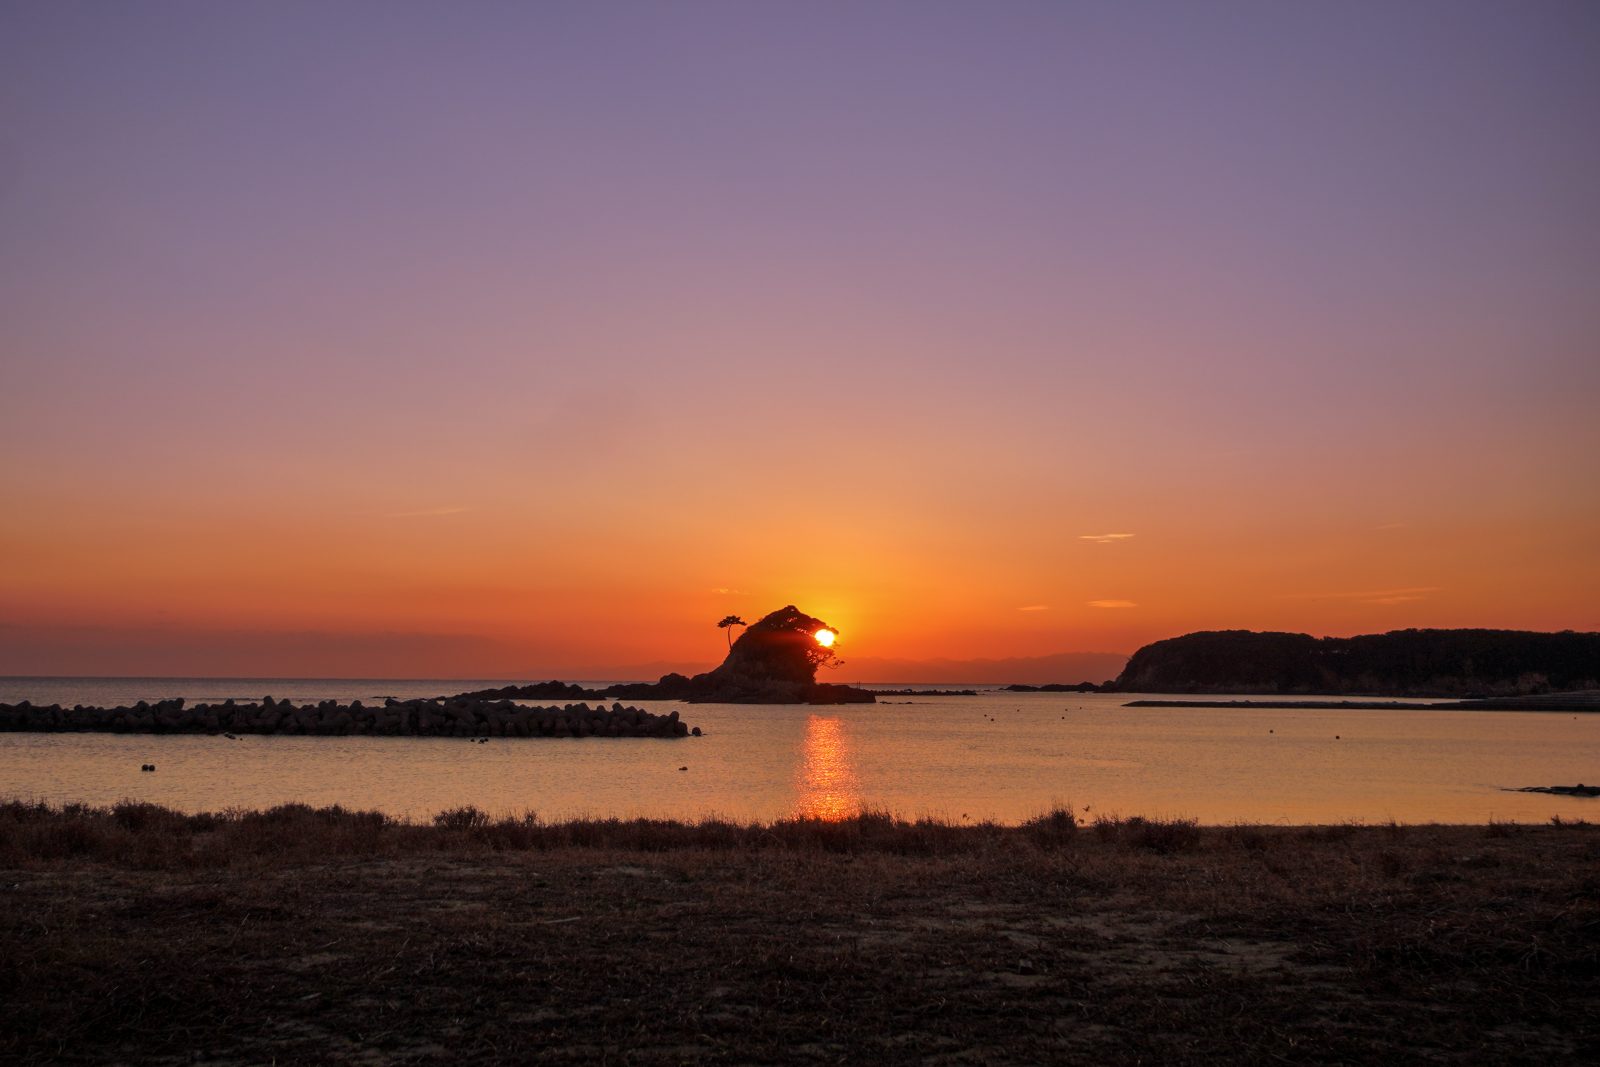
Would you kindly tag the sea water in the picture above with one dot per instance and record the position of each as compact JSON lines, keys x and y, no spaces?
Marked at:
{"x":998,"y":755}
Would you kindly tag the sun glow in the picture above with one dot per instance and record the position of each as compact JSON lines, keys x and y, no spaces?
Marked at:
{"x":825,"y":638}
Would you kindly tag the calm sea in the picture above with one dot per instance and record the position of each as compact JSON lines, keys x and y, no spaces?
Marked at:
{"x":1001,"y":756}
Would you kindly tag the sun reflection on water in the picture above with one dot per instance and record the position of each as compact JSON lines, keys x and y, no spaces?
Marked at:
{"x":826,"y":780}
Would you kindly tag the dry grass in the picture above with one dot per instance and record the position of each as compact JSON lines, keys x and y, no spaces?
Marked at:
{"x":136,"y":934}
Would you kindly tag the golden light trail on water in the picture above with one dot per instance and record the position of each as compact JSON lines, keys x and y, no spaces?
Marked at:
{"x":825,"y":781}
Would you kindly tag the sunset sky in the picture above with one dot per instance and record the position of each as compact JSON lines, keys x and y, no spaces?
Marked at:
{"x":484,"y":339}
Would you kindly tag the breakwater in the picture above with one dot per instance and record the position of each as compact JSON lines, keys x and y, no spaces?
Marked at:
{"x":445,"y":717}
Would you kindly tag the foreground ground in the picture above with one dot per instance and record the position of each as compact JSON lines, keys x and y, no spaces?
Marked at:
{"x":137,"y":935}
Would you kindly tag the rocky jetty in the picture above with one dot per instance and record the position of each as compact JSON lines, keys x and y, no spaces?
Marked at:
{"x":450,"y":717}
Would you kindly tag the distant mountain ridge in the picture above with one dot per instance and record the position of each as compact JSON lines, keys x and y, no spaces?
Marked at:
{"x":1446,"y":663}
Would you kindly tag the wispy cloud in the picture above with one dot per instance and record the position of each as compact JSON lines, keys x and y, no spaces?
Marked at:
{"x":723,"y":590}
{"x":1405,"y":595}
{"x":1034,"y":607}
{"x":1111,"y":604}
{"x":426,"y":513}
{"x":1397,"y":597}
{"x":1105,"y":539}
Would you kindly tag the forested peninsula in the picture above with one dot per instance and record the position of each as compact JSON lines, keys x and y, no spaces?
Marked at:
{"x":1437,"y":663}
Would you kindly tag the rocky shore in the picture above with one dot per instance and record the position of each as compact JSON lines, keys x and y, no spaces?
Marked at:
{"x":715,"y":688}
{"x":445,"y":717}
{"x":926,"y":692}
{"x":1060,"y":687}
{"x":552,"y":690}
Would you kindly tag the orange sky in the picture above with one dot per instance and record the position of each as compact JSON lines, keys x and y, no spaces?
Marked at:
{"x":468,"y":581}
{"x":538,"y":348}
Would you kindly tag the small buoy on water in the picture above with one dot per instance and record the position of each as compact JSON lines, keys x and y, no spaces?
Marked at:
{"x":683,"y":768}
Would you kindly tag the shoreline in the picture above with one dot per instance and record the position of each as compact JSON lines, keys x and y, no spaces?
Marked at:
{"x":1580,"y":702}
{"x":134,"y":934}
{"x":874,"y":828}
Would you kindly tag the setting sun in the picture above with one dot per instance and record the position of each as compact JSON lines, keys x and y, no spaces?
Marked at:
{"x":1193,"y":438}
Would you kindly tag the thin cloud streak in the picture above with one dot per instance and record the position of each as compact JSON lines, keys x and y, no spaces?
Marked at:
{"x":1406,"y":595}
{"x":1111,"y":604}
{"x":1105,"y":539}
{"x":1034,"y":607}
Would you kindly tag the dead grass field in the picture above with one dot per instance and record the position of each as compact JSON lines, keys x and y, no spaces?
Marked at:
{"x":138,"y":935}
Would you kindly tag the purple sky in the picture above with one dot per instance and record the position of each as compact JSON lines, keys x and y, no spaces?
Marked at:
{"x":1178,"y":269}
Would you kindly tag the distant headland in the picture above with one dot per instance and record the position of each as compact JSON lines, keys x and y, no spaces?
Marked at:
{"x":1418,"y":663}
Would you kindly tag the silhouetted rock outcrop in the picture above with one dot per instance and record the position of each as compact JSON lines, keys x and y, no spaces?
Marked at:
{"x":671,"y":687}
{"x":774,"y":661}
{"x":1460,"y":663}
{"x":537,"y":691}
{"x":1579,"y":790}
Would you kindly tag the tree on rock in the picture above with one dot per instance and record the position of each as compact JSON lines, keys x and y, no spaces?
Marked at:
{"x":782,"y":647}
{"x":774,"y":661}
{"x":727,"y":624}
